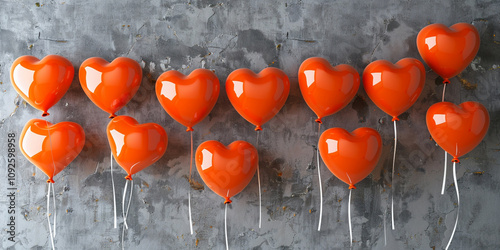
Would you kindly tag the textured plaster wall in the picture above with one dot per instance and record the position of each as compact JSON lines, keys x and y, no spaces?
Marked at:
{"x":223,"y":36}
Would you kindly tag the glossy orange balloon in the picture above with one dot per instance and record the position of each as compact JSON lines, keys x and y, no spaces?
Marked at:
{"x":257,"y":97}
{"x":394,"y":88}
{"x":41,"y":83}
{"x":458,"y":129}
{"x":350,"y":156}
{"x":226,"y":170}
{"x":51,"y":147}
{"x":135,"y":146}
{"x":448,"y":51}
{"x":327,"y":89}
{"x":110,"y":86}
{"x":188,"y":99}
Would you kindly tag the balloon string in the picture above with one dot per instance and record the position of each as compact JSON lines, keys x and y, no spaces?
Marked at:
{"x":48,"y":216}
{"x":458,"y":204}
{"x":190,"y":181}
{"x":319,"y":180}
{"x":445,"y":169}
{"x":51,"y":153}
{"x":444,"y":89}
{"x":260,"y":190}
{"x":392,"y":180}
{"x":114,"y":192}
{"x":54,"y":203}
{"x":123,"y":204}
{"x":125,"y":213}
{"x":349,"y":214}
{"x":225,"y":226}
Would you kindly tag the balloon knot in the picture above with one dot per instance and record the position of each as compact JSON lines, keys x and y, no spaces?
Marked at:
{"x":111,"y":116}
{"x":227,"y":201}
{"x":258,"y":128}
{"x":455,"y":159}
{"x":50,"y":180}
{"x":45,"y":113}
{"x":351,"y":186}
{"x":395,"y":118}
{"x":319,"y":120}
{"x":189,"y":129}
{"x":446,"y":81}
{"x":128,"y":177}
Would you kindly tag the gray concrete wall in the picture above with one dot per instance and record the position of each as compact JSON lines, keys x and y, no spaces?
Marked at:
{"x":224,"y":36}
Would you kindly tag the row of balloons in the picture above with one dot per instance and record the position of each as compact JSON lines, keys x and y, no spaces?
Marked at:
{"x":351,"y":157}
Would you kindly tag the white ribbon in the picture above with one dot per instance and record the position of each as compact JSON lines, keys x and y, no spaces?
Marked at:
{"x":320,"y":182}
{"x":458,"y":204}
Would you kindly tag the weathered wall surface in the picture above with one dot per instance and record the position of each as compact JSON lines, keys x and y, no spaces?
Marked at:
{"x":223,"y":36}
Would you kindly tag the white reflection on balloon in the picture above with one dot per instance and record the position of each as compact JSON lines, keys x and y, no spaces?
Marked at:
{"x":93,"y":78}
{"x":238,"y":88}
{"x":119,"y":140}
{"x":207,"y":159}
{"x":309,"y":77}
{"x":23,"y":78}
{"x":439,"y":118}
{"x":430,"y":41}
{"x":333,"y":145}
{"x":168,"y":90}
{"x":32,"y":143}
{"x":377,"y":77}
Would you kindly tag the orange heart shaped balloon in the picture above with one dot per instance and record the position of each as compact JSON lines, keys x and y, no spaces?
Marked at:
{"x":51,"y":147}
{"x":258,"y":97}
{"x":188,"y":99}
{"x":457,"y":129}
{"x":110,"y":86}
{"x":448,"y":51}
{"x":350,"y":156}
{"x":327,"y":89}
{"x":41,"y":83}
{"x":394,"y":88}
{"x":226,"y":170}
{"x":135,"y":146}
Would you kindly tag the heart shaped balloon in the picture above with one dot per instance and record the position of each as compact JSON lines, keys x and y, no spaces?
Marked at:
{"x":226,"y":170}
{"x":350,"y":156}
{"x":110,"y":86}
{"x":327,"y":89}
{"x":41,"y":83}
{"x":394,"y":88}
{"x":51,"y":147}
{"x":457,"y":129}
{"x":448,"y":51}
{"x":257,"y":97}
{"x":135,"y":146}
{"x":188,"y":99}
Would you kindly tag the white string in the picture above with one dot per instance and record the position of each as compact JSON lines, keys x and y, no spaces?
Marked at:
{"x":225,"y":226}
{"x":55,"y":209}
{"x":445,"y":169}
{"x":444,"y":89}
{"x":392,"y":180}
{"x":458,"y":204}
{"x":319,"y":180}
{"x":190,"y":181}
{"x":123,"y":205}
{"x":129,"y":199}
{"x":125,"y":214}
{"x":114,"y":192}
{"x":349,"y":214}
{"x":189,"y":210}
{"x":445,"y":153}
{"x":260,"y":191}
{"x":48,"y":216}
